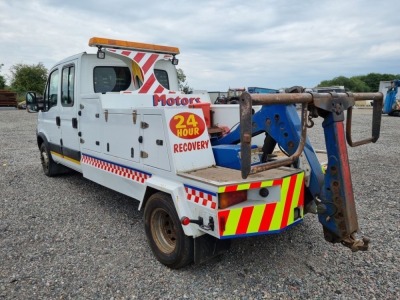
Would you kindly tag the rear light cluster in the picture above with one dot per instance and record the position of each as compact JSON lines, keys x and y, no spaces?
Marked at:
{"x":264,"y":194}
{"x":231,"y":198}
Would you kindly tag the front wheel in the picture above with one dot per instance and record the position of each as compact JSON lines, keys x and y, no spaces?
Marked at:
{"x":50,"y":168}
{"x":165,"y":233}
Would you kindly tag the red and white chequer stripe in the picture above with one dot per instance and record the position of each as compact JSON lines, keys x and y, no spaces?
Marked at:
{"x":201,"y":198}
{"x":115,"y":169}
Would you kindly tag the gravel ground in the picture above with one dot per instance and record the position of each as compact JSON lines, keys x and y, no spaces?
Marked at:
{"x":67,"y":237}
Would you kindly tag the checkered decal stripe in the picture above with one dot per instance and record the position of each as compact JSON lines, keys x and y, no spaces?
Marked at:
{"x":115,"y":169}
{"x":200,"y":197}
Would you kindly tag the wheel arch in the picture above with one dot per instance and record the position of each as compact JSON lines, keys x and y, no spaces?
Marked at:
{"x":147,"y":194}
{"x":177,"y":193}
{"x":41,"y":138}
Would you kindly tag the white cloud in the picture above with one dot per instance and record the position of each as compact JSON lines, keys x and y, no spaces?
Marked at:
{"x":223,"y":43}
{"x":390,"y":48}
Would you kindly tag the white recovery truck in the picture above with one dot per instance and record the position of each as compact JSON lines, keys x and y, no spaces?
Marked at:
{"x":118,"y":118}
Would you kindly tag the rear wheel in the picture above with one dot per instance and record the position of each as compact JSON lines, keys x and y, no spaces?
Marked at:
{"x":165,"y":233}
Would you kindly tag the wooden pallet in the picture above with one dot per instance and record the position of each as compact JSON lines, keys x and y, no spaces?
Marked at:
{"x":8,"y":98}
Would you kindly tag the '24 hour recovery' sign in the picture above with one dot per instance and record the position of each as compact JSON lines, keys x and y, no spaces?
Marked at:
{"x":188,"y":126}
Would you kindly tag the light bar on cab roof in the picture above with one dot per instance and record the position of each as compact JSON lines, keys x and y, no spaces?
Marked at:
{"x":117,"y":44}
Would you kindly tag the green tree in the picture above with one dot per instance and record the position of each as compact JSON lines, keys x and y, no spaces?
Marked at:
{"x":352,"y":84}
{"x":373,"y":79}
{"x":2,"y":80}
{"x":360,"y":83}
{"x":28,"y":78}
{"x":183,"y":85}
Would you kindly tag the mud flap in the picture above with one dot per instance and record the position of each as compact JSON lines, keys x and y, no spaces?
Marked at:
{"x":207,"y":247}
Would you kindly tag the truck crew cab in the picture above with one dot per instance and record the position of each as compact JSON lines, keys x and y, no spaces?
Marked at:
{"x":118,"y":118}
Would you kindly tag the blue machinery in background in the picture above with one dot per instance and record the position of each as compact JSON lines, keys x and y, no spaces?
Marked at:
{"x":390,"y":99}
{"x":259,"y":90}
{"x":330,"y":193}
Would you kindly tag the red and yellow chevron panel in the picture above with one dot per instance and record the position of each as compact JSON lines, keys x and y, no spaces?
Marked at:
{"x":249,"y":186}
{"x":265,"y":217}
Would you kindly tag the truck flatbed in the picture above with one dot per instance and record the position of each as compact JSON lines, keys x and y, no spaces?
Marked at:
{"x":220,"y":176}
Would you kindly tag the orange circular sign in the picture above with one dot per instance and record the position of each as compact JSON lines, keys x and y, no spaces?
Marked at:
{"x":187,"y":125}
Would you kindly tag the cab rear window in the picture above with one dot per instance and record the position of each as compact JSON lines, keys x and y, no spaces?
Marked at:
{"x":162,"y":77}
{"x":111,"y":79}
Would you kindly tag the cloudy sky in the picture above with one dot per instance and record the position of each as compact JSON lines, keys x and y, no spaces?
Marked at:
{"x":223,"y":44}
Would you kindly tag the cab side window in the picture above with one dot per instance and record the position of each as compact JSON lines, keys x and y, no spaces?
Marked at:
{"x":51,"y":92}
{"x":67,"y":86}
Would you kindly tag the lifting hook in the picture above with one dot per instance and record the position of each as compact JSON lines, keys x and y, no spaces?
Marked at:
{"x":356,"y":244}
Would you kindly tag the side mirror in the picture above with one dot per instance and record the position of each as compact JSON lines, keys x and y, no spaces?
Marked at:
{"x":31,"y":102}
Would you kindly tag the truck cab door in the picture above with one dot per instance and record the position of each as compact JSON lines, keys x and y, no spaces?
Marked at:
{"x":49,"y":115}
{"x":69,"y":116}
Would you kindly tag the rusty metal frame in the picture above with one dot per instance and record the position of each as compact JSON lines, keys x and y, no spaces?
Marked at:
{"x":246,"y":101}
{"x":321,"y":100}
{"x":377,"y":99}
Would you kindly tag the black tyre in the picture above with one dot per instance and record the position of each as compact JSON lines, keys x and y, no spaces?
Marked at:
{"x":50,"y":168}
{"x":165,"y":233}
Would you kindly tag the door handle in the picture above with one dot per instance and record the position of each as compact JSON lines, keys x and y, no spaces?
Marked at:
{"x":74,"y":123}
{"x":58,"y":121}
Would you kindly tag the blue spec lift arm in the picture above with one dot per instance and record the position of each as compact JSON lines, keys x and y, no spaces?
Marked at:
{"x":332,"y":192}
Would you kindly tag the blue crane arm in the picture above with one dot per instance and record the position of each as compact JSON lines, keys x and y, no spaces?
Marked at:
{"x":286,"y":132}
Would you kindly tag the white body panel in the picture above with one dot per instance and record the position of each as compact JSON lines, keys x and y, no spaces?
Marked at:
{"x":133,"y":148}
{"x":190,"y":149}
